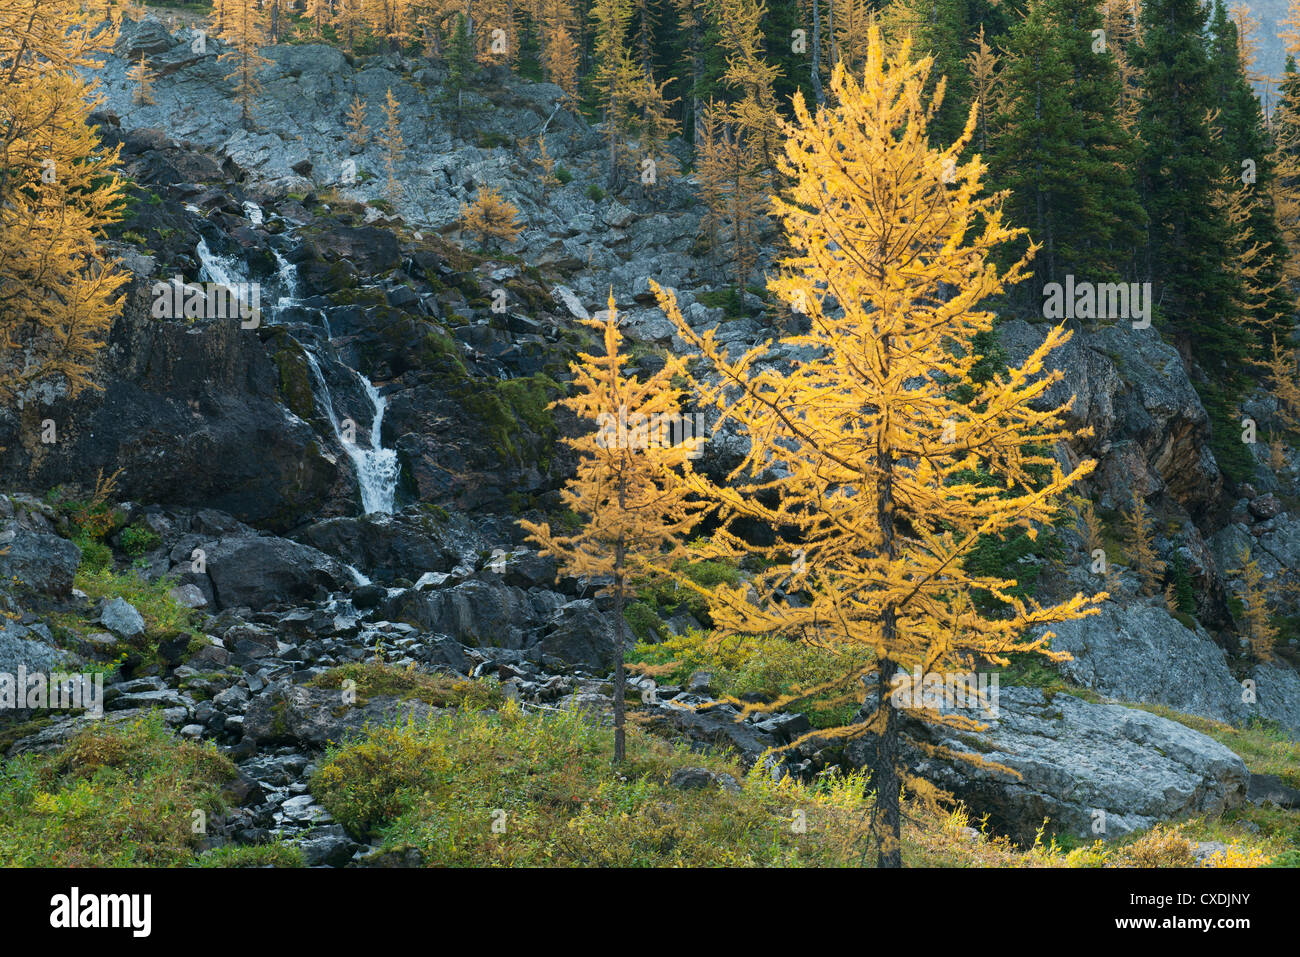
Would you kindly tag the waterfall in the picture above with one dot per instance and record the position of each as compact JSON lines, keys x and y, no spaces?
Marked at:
{"x":219,"y":269}
{"x":376,"y":467}
{"x":287,"y":273}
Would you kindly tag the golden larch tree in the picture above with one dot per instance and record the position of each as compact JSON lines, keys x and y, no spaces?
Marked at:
{"x":982,"y":62}
{"x":319,"y":13}
{"x":1288,"y":28}
{"x":879,"y":460}
{"x":852,"y":20}
{"x":490,"y":217}
{"x":58,"y":192}
{"x":1238,"y":204}
{"x":1141,"y":545}
{"x":1121,"y":21}
{"x":349,"y":20}
{"x":1247,"y":42}
{"x":635,"y":512}
{"x":394,"y":145}
{"x":560,"y":53}
{"x":1283,"y":371}
{"x":546,"y":163}
{"x":142,"y":77}
{"x":654,"y":127}
{"x":613,"y":75}
{"x":749,"y":74}
{"x":358,"y":131}
{"x":245,"y":33}
{"x":732,"y":189}
{"x":1257,"y":625}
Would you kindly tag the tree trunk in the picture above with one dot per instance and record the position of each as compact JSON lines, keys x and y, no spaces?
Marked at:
{"x":620,"y":672}
{"x":888,"y":816}
{"x":830,"y":33}
{"x":817,"y":52}
{"x":613,"y":147}
{"x":888,"y":831}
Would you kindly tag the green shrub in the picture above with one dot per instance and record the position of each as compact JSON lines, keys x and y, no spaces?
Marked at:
{"x":138,"y":540}
{"x":95,"y":556}
{"x":768,"y":666}
{"x":375,"y":679}
{"x":547,"y":778}
{"x":277,"y":854}
{"x":119,"y":795}
{"x":164,"y":617}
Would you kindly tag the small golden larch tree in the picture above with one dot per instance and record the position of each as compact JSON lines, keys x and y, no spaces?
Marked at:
{"x":244,"y":31}
{"x":1141,"y":545}
{"x":142,"y":77}
{"x":394,"y":145}
{"x":358,"y":131}
{"x":1257,"y":625}
{"x":635,"y":512}
{"x":490,"y":217}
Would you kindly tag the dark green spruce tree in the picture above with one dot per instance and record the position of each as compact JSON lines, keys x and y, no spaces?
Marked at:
{"x":1187,"y":255}
{"x":942,"y":29}
{"x":1062,"y":152}
{"x":1250,"y":170}
{"x":461,"y":66}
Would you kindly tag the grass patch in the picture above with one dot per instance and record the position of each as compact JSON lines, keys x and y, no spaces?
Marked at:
{"x":117,"y":796}
{"x":374,"y":679}
{"x":277,"y":854}
{"x":164,"y":617}
{"x":767,"y":666}
{"x":440,"y":786}
{"x":546,"y":781}
{"x":1028,"y":670}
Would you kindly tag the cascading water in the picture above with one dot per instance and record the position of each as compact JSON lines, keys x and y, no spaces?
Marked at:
{"x":222,"y":270}
{"x":376,"y":467}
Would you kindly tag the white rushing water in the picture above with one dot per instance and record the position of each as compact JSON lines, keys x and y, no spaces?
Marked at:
{"x":220,"y":269}
{"x":376,"y":467}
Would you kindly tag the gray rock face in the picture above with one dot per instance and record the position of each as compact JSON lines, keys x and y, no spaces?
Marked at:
{"x":31,"y":553}
{"x":30,"y":648}
{"x":1074,"y":759}
{"x":1150,"y":429}
{"x":388,"y":547}
{"x":580,"y":634}
{"x":317,"y":716}
{"x":192,"y":412}
{"x":121,"y":618}
{"x":1142,"y":653}
{"x":254,"y":572}
{"x":472,"y":612}
{"x":327,"y":846}
{"x":1277,"y":690}
{"x":716,"y":727}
